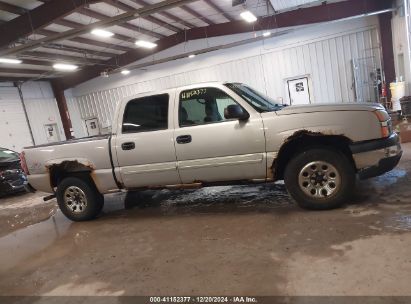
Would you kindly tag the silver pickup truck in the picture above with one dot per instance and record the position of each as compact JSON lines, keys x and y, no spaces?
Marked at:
{"x":215,"y":134}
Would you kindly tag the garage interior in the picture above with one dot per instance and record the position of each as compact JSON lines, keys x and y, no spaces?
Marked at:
{"x":64,"y":67}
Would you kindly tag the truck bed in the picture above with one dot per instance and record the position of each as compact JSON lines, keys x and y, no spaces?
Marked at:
{"x":92,"y":154}
{"x":71,"y":141}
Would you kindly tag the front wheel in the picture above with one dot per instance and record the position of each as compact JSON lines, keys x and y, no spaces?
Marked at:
{"x":320,"y":179}
{"x":79,"y":199}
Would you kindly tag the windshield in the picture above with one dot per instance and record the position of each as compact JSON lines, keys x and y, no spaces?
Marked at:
{"x":8,"y":155}
{"x":257,"y":100}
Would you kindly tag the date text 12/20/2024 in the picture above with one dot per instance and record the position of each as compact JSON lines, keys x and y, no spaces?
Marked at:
{"x":203,"y":300}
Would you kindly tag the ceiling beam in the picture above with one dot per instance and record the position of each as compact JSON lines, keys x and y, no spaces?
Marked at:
{"x":40,"y":63}
{"x":75,"y":50}
{"x":37,"y":18}
{"x":270,"y":6}
{"x":38,"y":55}
{"x":21,"y":71}
{"x":219,"y":10}
{"x":303,"y":16}
{"x":121,"y":18}
{"x":194,"y":13}
{"x":106,"y":45}
{"x":167,"y":15}
{"x":129,"y":26}
{"x":11,"y":8}
{"x":73,"y":24}
{"x":13,"y":78}
{"x":152,"y":19}
{"x":67,"y":23}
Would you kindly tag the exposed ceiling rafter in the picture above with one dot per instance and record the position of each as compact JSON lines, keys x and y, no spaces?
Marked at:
{"x":129,"y":26}
{"x":219,"y":10}
{"x":38,"y":55}
{"x":121,"y":18}
{"x":11,"y":8}
{"x":152,"y":19}
{"x":21,"y":71}
{"x":37,"y":18}
{"x":303,"y":16}
{"x":107,"y":47}
{"x":194,"y":13}
{"x":72,"y":24}
{"x":166,"y":14}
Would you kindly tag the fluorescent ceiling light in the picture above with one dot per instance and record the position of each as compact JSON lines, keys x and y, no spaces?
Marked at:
{"x":65,"y":67}
{"x":102,"y":33}
{"x":191,"y":56}
{"x":125,"y":72}
{"x":267,"y":34}
{"x":248,"y":16}
{"x":146,"y":44}
{"x":10,"y":60}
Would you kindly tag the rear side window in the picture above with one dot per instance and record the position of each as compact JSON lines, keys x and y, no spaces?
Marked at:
{"x":146,"y":114}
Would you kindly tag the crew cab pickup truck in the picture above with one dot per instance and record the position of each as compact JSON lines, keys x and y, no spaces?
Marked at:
{"x":215,"y":134}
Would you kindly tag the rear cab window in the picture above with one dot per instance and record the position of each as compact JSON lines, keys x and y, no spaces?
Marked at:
{"x":146,"y":114}
{"x":203,"y":106}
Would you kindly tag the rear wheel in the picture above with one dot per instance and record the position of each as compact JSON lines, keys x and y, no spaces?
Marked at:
{"x":78,"y":199}
{"x":320,"y":178}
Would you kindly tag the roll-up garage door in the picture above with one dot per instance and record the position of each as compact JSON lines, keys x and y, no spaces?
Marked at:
{"x":14,"y":132}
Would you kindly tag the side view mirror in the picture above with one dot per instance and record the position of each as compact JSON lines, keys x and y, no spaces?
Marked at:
{"x":236,"y":112}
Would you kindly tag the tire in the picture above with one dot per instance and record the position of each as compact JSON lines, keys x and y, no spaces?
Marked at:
{"x":79,"y":199}
{"x":320,"y":179}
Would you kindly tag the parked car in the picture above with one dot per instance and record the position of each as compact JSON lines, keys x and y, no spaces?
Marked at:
{"x":12,"y":177}
{"x":215,"y":134}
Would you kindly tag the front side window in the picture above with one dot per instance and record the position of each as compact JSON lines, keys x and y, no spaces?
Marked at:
{"x":203,"y":106}
{"x":146,"y":114}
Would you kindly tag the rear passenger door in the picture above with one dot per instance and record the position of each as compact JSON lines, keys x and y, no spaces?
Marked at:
{"x":210,"y":148}
{"x":145,"y":144}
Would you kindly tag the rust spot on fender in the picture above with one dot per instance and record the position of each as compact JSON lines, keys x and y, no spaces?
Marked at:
{"x":301,"y":133}
{"x":54,"y":170}
{"x":71,"y":165}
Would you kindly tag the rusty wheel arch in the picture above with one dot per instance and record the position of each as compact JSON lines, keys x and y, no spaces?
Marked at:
{"x":65,"y":169}
{"x":304,"y":139}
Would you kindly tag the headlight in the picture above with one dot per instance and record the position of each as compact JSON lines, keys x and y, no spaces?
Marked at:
{"x":385,"y":122}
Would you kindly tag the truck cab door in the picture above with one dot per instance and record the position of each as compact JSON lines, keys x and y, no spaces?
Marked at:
{"x":211,"y":148}
{"x":144,"y":144}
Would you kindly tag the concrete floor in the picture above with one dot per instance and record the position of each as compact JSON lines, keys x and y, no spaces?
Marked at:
{"x":242,"y":240}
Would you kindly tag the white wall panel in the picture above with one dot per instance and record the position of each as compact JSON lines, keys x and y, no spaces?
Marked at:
{"x":323,"y":53}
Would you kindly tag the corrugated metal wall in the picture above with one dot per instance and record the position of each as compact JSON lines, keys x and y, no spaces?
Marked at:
{"x":327,"y":61}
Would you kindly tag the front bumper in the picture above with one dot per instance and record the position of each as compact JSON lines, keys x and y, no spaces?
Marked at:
{"x":375,"y":157}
